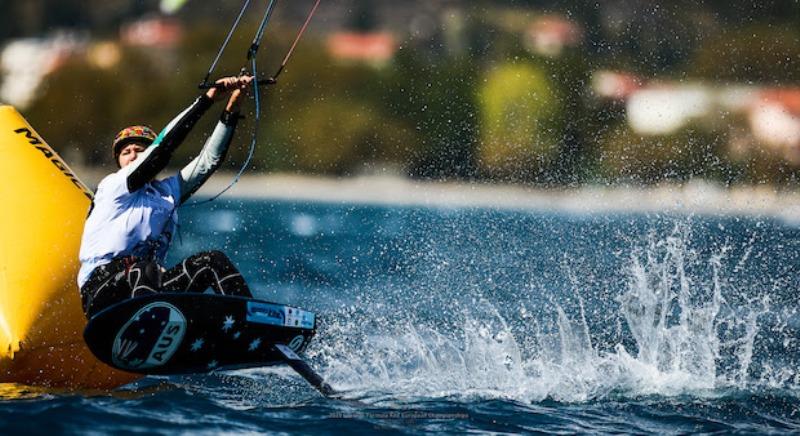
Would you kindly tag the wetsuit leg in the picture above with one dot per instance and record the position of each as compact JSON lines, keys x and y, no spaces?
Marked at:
{"x":119,"y":280}
{"x":209,"y":269}
{"x":144,"y":278}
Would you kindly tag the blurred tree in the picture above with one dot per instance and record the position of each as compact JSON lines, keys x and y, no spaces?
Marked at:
{"x":624,"y":156}
{"x":10,"y":20}
{"x":74,"y":115}
{"x":363,"y":16}
{"x":579,"y":124}
{"x":520,"y":122}
{"x":438,"y":99}
{"x":66,"y":13}
{"x":736,"y":13}
{"x":82,"y":106}
{"x":331,"y":117}
{"x":755,"y":162}
{"x":339,"y":137}
{"x":761,"y":54}
{"x":434,"y":110}
{"x":32,"y":18}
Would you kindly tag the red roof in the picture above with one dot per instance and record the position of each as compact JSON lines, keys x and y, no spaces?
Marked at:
{"x":379,"y":47}
{"x":616,"y":85}
{"x":560,"y":29}
{"x":789,"y":98}
{"x":153,"y":32}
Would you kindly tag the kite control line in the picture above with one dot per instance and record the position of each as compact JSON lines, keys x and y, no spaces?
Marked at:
{"x":252,"y":54}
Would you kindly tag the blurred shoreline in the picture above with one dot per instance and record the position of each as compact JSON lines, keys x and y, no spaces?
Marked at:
{"x":696,"y":197}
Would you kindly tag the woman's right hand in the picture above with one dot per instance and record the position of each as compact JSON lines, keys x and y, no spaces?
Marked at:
{"x":242,"y":86}
{"x":228,"y":85}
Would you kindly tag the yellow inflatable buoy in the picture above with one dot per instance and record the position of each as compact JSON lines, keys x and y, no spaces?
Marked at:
{"x":41,"y":322}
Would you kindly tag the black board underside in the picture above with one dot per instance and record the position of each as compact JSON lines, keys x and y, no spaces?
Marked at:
{"x":196,"y":333}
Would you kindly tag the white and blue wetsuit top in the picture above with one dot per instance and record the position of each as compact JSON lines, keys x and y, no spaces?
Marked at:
{"x":134,"y":214}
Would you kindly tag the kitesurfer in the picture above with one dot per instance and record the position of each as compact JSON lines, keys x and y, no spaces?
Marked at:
{"x":134,"y":215}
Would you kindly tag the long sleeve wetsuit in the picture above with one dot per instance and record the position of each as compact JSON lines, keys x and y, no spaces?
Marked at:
{"x":156,"y":157}
{"x":135,"y":216}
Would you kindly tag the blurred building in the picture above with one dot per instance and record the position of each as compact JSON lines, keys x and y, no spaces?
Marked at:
{"x":24,"y":63}
{"x":155,"y":32}
{"x":551,"y":35}
{"x":667,"y":108}
{"x":615,"y":85}
{"x":160,"y":37}
{"x":758,"y":116}
{"x":774,"y":118}
{"x":373,"y":48}
{"x":104,"y":54}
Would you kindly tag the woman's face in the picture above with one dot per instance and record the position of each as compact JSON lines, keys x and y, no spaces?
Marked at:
{"x":129,"y":153}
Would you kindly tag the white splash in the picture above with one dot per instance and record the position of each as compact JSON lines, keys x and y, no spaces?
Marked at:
{"x":684,"y":340}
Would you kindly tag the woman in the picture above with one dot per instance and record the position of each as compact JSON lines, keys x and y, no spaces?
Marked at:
{"x":134,"y":215}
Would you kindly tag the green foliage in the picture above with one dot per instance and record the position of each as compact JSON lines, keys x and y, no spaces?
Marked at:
{"x":483,"y":107}
{"x":518,"y":111}
{"x":334,"y":137}
{"x":328,"y":117}
{"x":438,"y":100}
{"x":624,"y":156}
{"x":82,"y":107}
{"x":755,"y":163}
{"x":760,"y":54}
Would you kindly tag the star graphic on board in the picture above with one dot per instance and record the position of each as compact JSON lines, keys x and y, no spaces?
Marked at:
{"x":255,"y":344}
{"x":228,"y":324}
{"x":197,"y":345}
{"x":236,"y":335}
{"x":213,"y":364}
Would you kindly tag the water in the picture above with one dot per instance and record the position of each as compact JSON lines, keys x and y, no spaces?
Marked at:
{"x":481,"y":320}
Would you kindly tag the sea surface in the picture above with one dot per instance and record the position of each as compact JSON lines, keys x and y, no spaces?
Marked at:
{"x":478,"y":320}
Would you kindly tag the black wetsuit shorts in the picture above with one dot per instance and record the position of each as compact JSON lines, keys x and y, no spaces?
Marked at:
{"x":130,"y":277}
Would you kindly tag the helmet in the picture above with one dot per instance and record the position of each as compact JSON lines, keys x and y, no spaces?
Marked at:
{"x":142,"y":134}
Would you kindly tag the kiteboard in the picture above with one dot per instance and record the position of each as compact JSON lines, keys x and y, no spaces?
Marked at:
{"x":187,"y":333}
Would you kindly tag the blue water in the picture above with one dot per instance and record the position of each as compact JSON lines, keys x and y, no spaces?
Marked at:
{"x":453,"y":320}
